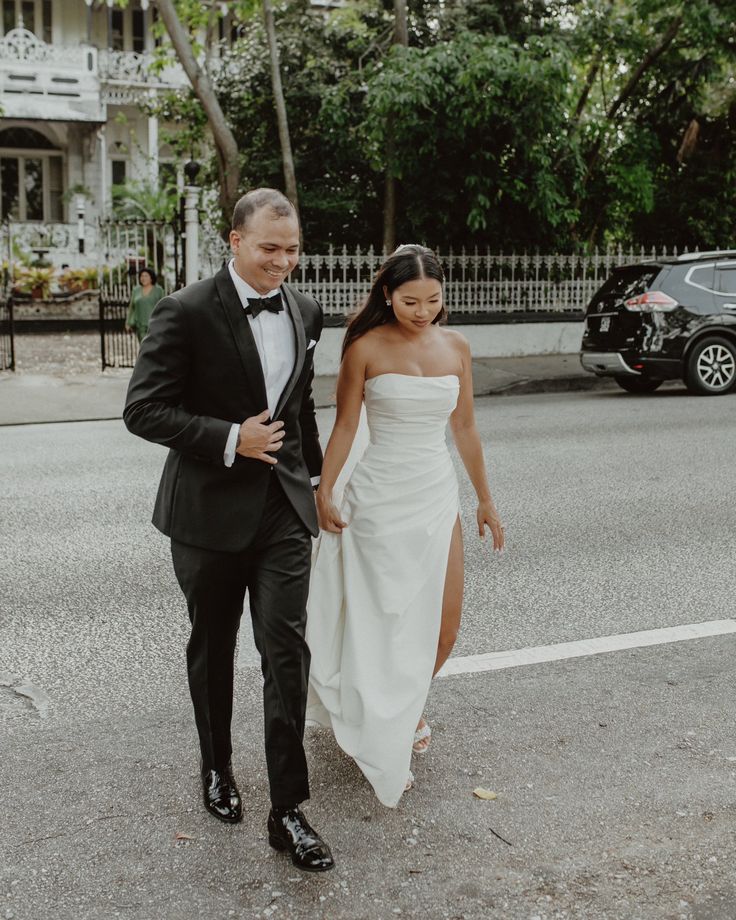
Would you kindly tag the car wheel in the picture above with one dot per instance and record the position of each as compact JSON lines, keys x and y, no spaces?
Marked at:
{"x":711,"y":367}
{"x":638,"y":384}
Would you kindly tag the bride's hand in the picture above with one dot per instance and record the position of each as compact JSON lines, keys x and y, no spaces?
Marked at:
{"x":328,"y":515}
{"x":488,"y":516}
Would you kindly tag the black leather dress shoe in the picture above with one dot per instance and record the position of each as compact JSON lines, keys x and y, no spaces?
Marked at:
{"x":289,"y":830}
{"x":221,"y":796}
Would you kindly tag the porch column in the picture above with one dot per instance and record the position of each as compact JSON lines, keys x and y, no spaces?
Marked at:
{"x":191,"y":225}
{"x":88,"y":4}
{"x":153,"y":149}
{"x":104,"y":204}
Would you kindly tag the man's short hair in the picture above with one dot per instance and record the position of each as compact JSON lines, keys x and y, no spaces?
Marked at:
{"x":258,"y":198}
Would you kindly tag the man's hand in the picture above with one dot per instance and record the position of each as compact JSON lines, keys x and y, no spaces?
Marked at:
{"x":256,"y":438}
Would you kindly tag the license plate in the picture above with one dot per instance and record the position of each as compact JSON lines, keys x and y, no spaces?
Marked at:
{"x":605,"y":323}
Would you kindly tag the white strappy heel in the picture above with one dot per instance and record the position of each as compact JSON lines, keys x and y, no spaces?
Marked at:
{"x":422,"y":734}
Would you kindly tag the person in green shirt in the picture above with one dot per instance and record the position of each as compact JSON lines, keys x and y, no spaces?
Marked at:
{"x":146,"y":294}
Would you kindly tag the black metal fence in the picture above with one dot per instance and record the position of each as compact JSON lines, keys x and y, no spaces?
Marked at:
{"x":127,"y":246}
{"x":7,"y":343}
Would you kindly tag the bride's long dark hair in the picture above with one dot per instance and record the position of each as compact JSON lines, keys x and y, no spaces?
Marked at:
{"x":407,"y":263}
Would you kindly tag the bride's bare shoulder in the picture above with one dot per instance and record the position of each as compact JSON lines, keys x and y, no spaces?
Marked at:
{"x":366,"y":344}
{"x":359,"y":351}
{"x":455,"y":339}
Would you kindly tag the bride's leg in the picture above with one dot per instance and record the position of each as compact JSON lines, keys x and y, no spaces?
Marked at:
{"x":452,"y":600}
{"x":452,"y":605}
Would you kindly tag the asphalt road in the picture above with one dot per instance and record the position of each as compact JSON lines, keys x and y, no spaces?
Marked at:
{"x":616,"y":774}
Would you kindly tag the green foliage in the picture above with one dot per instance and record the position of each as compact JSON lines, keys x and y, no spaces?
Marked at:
{"x":140,"y":200}
{"x":509,"y":123}
{"x":490,"y":106}
{"x":35,"y":280}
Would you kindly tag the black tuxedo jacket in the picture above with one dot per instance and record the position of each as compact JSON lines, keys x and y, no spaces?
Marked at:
{"x":198,"y":371}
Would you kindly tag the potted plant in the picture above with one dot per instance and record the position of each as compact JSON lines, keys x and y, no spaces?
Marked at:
{"x":75,"y":280}
{"x":35,"y":281}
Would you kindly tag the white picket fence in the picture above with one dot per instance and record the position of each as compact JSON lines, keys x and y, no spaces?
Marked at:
{"x":476,"y":282}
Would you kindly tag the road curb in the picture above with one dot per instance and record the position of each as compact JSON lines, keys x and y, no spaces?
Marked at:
{"x":572,"y":384}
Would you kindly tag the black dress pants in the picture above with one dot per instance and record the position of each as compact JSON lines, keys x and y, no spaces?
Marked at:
{"x":275,"y":570}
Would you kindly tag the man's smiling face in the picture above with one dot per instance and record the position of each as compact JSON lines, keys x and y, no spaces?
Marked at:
{"x":266,"y":250}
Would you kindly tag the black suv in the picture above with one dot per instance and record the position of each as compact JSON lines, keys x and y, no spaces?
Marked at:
{"x":664,"y":320}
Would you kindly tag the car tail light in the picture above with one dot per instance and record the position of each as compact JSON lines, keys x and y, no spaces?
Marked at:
{"x":651,"y":302}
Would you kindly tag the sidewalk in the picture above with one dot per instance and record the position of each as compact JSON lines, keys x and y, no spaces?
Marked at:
{"x":66,"y":386}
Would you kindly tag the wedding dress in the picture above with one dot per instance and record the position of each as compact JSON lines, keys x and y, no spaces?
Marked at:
{"x":375,"y":597}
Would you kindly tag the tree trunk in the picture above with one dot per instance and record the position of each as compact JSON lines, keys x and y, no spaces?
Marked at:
{"x":401,"y":37}
{"x":389,"y":207}
{"x":401,"y":23}
{"x":280,"y":103}
{"x":689,"y":141}
{"x":585,"y":92}
{"x":227,"y":149}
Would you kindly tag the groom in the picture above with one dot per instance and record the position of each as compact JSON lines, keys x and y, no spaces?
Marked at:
{"x":224,"y":380}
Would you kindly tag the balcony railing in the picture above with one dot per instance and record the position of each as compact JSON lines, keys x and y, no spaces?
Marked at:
{"x":40,"y":80}
{"x":20,"y":47}
{"x":84,"y":76}
{"x":131,"y":68}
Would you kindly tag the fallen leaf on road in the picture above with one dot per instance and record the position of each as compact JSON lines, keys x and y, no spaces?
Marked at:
{"x":179,"y":836}
{"x":481,"y":793}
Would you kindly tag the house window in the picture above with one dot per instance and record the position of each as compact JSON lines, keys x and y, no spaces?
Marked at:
{"x":46,"y":21}
{"x":28,"y":11}
{"x":139,"y":31}
{"x":154,"y":23}
{"x":118,"y":171}
{"x":117,"y":30}
{"x":31,"y":186}
{"x":10,"y":186}
{"x":36,"y":17}
{"x":31,"y":177}
{"x":10,"y":17}
{"x":126,"y":28}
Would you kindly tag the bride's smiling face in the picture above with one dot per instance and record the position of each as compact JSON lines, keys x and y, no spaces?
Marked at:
{"x":416,"y":303}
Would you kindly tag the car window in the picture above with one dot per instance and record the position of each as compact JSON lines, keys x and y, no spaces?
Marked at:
{"x":701,"y":276}
{"x":726,"y":280}
{"x":630,"y":281}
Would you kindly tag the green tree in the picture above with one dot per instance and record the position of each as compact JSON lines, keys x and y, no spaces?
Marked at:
{"x":226,"y":147}
{"x":508,"y":123}
{"x":141,"y":200}
{"x":476,"y":124}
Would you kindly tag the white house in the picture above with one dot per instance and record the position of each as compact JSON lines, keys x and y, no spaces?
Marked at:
{"x":71,"y":75}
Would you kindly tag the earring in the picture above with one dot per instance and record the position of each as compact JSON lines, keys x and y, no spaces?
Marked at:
{"x":388,"y":302}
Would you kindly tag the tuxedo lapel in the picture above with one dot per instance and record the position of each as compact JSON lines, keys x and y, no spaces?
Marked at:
{"x":301,"y":347}
{"x":243,"y":335}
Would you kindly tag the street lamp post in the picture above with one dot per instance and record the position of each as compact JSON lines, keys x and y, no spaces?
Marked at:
{"x":80,"y":224}
{"x":191,"y":223}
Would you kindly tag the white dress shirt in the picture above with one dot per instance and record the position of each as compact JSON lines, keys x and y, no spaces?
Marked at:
{"x":274,"y":337}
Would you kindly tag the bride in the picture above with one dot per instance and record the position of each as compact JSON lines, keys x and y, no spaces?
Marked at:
{"x":386,"y":591}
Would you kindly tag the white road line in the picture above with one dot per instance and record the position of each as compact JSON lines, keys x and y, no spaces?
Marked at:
{"x":514,"y":658}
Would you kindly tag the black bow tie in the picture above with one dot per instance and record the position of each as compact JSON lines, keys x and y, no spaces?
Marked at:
{"x":255,"y":304}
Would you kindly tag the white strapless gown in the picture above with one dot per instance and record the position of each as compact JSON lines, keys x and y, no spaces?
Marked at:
{"x":375,"y":598}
